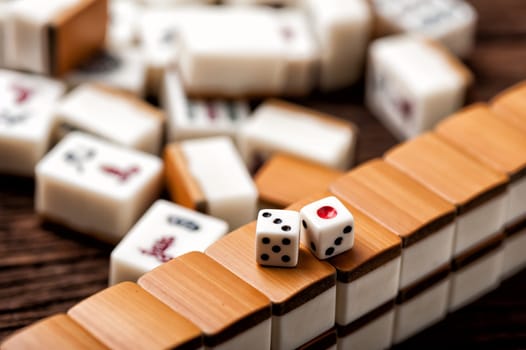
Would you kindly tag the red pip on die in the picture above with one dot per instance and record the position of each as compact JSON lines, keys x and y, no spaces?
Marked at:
{"x":327,"y":227}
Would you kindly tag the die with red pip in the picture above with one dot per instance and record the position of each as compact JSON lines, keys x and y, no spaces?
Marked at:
{"x":327,"y":227}
{"x":277,"y":237}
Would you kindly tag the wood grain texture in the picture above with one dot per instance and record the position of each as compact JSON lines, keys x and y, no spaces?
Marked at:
{"x":394,"y":200}
{"x":510,"y":105}
{"x":285,"y":179}
{"x":125,"y":316}
{"x":374,"y":245}
{"x":478,"y":132}
{"x":77,"y":34}
{"x":209,"y":295}
{"x":442,"y":168}
{"x":286,"y":288}
{"x":181,"y":184}
{"x":45,"y":270}
{"x":57,"y":332}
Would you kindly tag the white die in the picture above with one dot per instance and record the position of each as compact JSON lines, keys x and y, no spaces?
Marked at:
{"x":164,"y":232}
{"x":277,"y":237}
{"x":327,"y":227}
{"x":26,"y":119}
{"x":95,"y":187}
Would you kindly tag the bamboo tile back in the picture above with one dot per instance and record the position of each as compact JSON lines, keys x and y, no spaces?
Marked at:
{"x":481,"y":134}
{"x":439,"y":166}
{"x":510,"y":105}
{"x":285,"y":179}
{"x":394,"y":200}
{"x":57,"y":332}
{"x":181,"y":184}
{"x":199,"y":288}
{"x":127,"y":317}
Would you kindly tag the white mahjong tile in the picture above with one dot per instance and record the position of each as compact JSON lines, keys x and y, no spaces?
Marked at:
{"x":26,"y":47}
{"x":113,"y":115}
{"x":164,"y":232}
{"x":123,"y":69}
{"x":343,"y":29}
{"x":160,"y":31}
{"x":250,"y":62}
{"x":302,"y":51}
{"x":96,"y":187}
{"x":262,"y":2}
{"x":412,"y":84}
{"x":26,"y":118}
{"x":195,"y":118}
{"x":450,"y":21}
{"x":123,"y":24}
{"x":229,"y":190}
{"x":278,"y":127}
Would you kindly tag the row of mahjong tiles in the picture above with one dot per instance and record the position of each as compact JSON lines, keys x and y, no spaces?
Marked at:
{"x":405,"y":208}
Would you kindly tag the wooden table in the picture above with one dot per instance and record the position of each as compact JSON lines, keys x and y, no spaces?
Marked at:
{"x":45,"y":270}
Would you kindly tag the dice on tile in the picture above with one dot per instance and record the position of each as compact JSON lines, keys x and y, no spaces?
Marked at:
{"x":51,"y":38}
{"x":197,"y":118}
{"x":327,"y":227}
{"x":26,"y":119}
{"x":342,"y":28}
{"x":277,"y":237}
{"x":413,"y":83}
{"x":164,"y":232}
{"x":123,"y":69}
{"x":95,"y":187}
{"x":452,"y":22}
{"x":111,"y":114}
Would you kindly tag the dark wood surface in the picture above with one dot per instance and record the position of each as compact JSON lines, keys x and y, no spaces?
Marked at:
{"x":45,"y":269}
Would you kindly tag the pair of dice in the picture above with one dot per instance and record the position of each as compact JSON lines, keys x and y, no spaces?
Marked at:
{"x":326,"y":227}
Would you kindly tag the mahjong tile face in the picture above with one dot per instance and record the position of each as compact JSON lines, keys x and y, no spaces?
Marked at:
{"x":166,"y":231}
{"x":25,"y":100}
{"x":94,"y":165}
{"x":26,"y":115}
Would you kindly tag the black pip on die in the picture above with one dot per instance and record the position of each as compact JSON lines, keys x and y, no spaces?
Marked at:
{"x":327,"y":227}
{"x":277,"y":237}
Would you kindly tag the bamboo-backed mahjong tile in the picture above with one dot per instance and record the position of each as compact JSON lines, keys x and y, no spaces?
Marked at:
{"x":230,"y":313}
{"x":285,"y":179}
{"x":56,"y":33}
{"x":476,"y":272}
{"x":478,"y":192}
{"x":510,"y":105}
{"x":369,"y":272}
{"x":125,"y":316}
{"x":296,"y":293}
{"x":478,"y":132}
{"x":208,"y":175}
{"x":58,"y":332}
{"x":112,"y":114}
{"x":423,"y":220}
{"x":279,"y":126}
